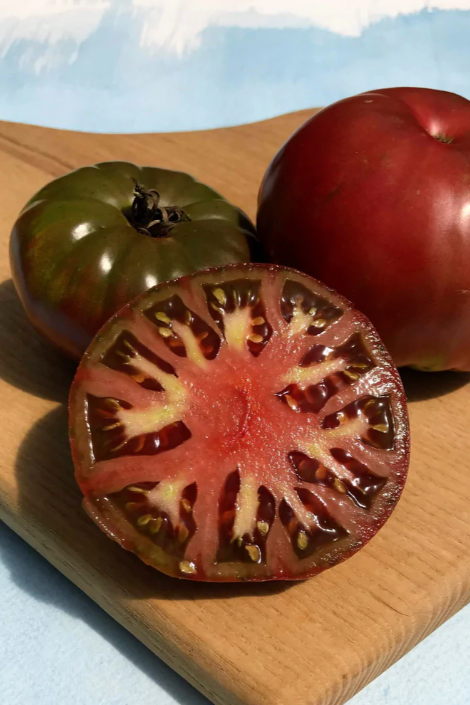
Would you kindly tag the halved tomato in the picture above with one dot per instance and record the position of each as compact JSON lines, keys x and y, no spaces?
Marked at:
{"x":242,"y":423}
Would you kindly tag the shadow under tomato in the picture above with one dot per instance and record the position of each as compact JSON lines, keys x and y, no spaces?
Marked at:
{"x":420,"y":386}
{"x":50,"y":498}
{"x":26,"y":361}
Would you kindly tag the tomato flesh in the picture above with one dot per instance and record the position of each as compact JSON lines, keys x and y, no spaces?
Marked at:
{"x":243,"y":423}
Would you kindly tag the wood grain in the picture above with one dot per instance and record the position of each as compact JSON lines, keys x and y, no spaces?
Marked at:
{"x":313,"y":643}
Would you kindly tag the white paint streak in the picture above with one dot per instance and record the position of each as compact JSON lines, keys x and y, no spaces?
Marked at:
{"x":49,"y":22}
{"x":176,"y":26}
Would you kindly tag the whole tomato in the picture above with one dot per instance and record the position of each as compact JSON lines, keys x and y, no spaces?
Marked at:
{"x":372,"y":196}
{"x":92,"y":240}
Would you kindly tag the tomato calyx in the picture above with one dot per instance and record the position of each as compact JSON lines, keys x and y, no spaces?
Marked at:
{"x":445,"y":139}
{"x":150,"y":218}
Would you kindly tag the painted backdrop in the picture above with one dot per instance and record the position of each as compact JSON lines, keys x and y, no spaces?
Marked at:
{"x":147,"y":65}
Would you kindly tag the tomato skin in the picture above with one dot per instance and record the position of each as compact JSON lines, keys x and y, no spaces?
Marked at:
{"x":76,"y":259}
{"x":365,"y":198}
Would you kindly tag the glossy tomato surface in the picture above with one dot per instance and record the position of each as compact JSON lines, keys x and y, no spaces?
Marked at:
{"x":243,"y":423}
{"x":372,"y":196}
{"x":92,"y":240}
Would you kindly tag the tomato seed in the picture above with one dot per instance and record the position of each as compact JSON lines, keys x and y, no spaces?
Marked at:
{"x":339,"y":486}
{"x":220,"y":296}
{"x":302,"y":540}
{"x":155,"y":525}
{"x":291,"y":402}
{"x":112,"y":426}
{"x":186,"y":505}
{"x":350,"y":374}
{"x":253,"y":552}
{"x":183,"y":533}
{"x":255,"y":338}
{"x":161,"y":316}
{"x":321,"y":473}
{"x":187,"y":567}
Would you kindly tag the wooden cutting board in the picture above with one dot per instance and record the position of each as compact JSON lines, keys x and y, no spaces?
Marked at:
{"x":313,"y":643}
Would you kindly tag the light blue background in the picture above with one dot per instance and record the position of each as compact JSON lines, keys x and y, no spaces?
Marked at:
{"x":56,"y":646}
{"x":109,"y":79}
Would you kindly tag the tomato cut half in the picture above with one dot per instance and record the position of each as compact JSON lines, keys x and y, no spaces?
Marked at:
{"x":242,"y":423}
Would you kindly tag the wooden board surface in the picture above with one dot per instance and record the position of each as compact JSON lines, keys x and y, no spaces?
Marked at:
{"x":313,"y":643}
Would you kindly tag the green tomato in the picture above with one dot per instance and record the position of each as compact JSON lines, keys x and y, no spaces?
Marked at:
{"x":90,"y":241}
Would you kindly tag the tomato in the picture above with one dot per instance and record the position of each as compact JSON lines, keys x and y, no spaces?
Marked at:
{"x":92,"y":240}
{"x":242,"y":423}
{"x":372,"y":196}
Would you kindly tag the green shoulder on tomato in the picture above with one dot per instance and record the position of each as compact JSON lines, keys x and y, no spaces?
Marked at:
{"x":92,"y":240}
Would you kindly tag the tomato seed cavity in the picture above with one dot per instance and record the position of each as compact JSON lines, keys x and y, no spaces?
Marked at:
{"x":212,"y":438}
